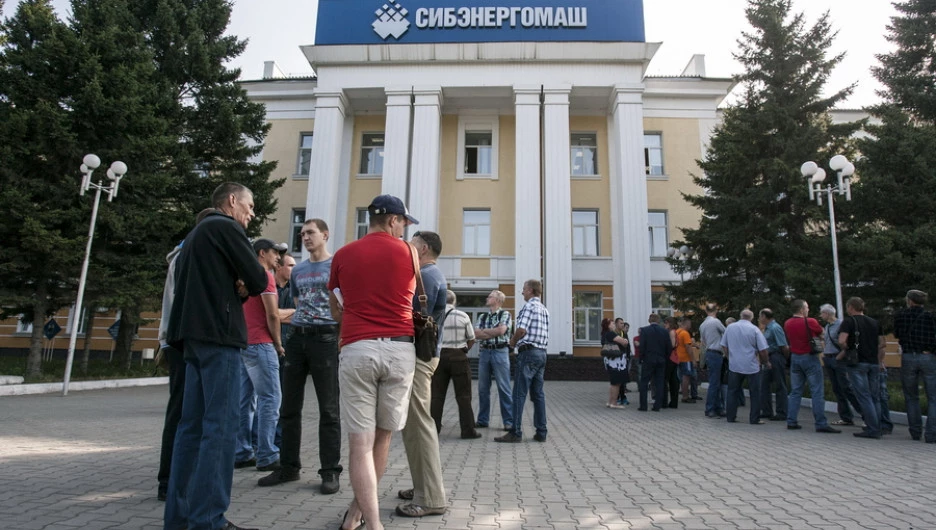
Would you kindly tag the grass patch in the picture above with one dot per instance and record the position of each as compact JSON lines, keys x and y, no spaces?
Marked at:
{"x":98,"y":369}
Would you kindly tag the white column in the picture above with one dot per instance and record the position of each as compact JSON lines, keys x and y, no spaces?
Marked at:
{"x":527,"y":226}
{"x":325,"y":164}
{"x":629,"y":239}
{"x":558,"y":217}
{"x":397,"y":141}
{"x":424,"y":163}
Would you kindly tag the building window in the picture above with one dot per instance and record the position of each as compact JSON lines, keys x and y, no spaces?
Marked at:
{"x":361,"y":220}
{"x":476,"y":233}
{"x":372,"y":153}
{"x":584,"y":232}
{"x":662,"y":303}
{"x":653,"y":154}
{"x":586,"y":311}
{"x":23,"y":326}
{"x":584,"y":154}
{"x":477,"y":148}
{"x":295,"y":226}
{"x":82,"y":324}
{"x":658,"y":240}
{"x":305,"y":155}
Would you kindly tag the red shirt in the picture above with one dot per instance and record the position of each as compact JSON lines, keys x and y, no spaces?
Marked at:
{"x":255,"y":314}
{"x":377,"y":282}
{"x":798,"y":337}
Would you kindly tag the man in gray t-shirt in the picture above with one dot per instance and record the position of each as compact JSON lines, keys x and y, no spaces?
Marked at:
{"x":711,"y":332}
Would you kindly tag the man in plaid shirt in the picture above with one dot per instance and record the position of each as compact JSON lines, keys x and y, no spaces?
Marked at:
{"x":530,"y":340}
{"x":915,"y":329}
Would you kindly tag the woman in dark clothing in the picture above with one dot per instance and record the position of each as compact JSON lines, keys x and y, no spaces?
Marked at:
{"x":671,"y":377}
{"x":616,"y":366}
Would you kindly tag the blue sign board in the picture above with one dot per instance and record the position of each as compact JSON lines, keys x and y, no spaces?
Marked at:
{"x":51,"y":329}
{"x":431,"y":21}
{"x":114,"y":330}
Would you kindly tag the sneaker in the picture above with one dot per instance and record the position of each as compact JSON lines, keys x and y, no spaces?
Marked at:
{"x":623,"y":402}
{"x":829,"y":430}
{"x":509,"y":438}
{"x":272,"y":466}
{"x":480,"y":425}
{"x":539,"y":437}
{"x":231,"y":526}
{"x":329,"y":482}
{"x":245,"y":463}
{"x":842,"y":422}
{"x":793,"y":426}
{"x":278,"y":477}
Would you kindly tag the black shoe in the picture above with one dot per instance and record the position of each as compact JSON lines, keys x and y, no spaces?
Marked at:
{"x":915,"y":437}
{"x":329,"y":482}
{"x":732,"y":421}
{"x":245,"y":463}
{"x":539,"y":437}
{"x":272,"y":466}
{"x":933,"y":441}
{"x":471,"y":436}
{"x":509,"y":438}
{"x":829,"y":430}
{"x":778,"y":417}
{"x":887,"y":431}
{"x":231,"y":526}
{"x":162,"y":492}
{"x":759,"y":422}
{"x":278,"y":477}
{"x":481,"y":425}
{"x":864,"y":434}
{"x":642,"y":409}
{"x":793,"y":426}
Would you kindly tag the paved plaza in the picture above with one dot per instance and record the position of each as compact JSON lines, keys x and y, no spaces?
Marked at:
{"x":89,"y":461}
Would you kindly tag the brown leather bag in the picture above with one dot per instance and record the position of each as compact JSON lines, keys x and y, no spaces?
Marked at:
{"x":425,"y":329}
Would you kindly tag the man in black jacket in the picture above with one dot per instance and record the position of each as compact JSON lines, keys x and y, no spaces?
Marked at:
{"x":207,"y":324}
{"x":655,"y":347}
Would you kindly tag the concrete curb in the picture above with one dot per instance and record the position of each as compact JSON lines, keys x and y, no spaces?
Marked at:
{"x":50,"y":388}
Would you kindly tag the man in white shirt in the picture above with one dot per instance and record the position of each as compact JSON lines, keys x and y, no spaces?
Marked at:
{"x":746,"y":348}
{"x":457,"y":338}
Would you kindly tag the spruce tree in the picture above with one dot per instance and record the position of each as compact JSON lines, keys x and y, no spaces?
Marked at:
{"x":760,"y":241}
{"x":894,"y":197}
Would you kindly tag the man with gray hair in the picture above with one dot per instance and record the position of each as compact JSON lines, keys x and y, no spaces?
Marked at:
{"x":493,"y":330}
{"x":777,"y":350}
{"x":746,"y":348}
{"x":457,"y":336}
{"x":837,"y":375}
{"x":711,"y":332}
{"x":915,"y":329}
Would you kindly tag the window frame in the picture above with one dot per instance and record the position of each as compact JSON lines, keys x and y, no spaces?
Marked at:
{"x":662,"y":310}
{"x":360,"y":227}
{"x":573,"y":148}
{"x":647,"y":167}
{"x":22,"y":327}
{"x":650,"y":230}
{"x":597,"y":232}
{"x":576,"y":310}
{"x":465,"y":236}
{"x":468,"y":124}
{"x":364,"y":135}
{"x":300,"y":174}
{"x":294,"y":228}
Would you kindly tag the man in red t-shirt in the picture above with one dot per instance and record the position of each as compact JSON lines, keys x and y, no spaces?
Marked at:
{"x":805,"y":367}
{"x":261,"y":394}
{"x":372,"y":283}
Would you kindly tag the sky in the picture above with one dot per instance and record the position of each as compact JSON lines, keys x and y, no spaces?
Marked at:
{"x":276,"y":29}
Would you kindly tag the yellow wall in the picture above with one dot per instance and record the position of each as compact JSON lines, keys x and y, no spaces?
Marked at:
{"x":680,"y":151}
{"x":282,"y":145}
{"x":590,"y":194}
{"x":361,"y":190}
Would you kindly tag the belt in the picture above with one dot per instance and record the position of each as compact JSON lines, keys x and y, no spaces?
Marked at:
{"x":316,"y":330}
{"x":403,"y":338}
{"x":525,"y":347}
{"x":494,"y":346}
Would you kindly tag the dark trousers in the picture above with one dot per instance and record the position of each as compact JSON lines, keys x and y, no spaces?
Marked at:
{"x":652,"y":371}
{"x":841,"y":388}
{"x":776,"y":375}
{"x":454,"y":367}
{"x":173,"y":412}
{"x":735,"y":390}
{"x":315,"y":355}
{"x":671,"y":381}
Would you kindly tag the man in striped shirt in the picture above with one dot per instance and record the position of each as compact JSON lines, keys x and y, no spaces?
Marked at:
{"x":530,"y":340}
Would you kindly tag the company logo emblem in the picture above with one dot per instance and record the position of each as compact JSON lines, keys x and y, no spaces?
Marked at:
{"x":391,"y":21}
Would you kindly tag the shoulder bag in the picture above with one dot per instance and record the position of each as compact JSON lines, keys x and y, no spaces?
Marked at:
{"x":851,"y":354}
{"x":425,"y":329}
{"x":815,"y":343}
{"x":610,"y":350}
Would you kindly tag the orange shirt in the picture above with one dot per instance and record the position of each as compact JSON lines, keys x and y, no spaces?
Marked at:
{"x":682,"y":340}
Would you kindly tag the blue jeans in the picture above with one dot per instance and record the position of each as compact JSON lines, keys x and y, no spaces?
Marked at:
{"x":531,"y":364}
{"x":203,"y":456}
{"x":886,"y":425}
{"x":913,"y":367}
{"x":260,"y":401}
{"x":865,"y":379}
{"x":714,"y":403}
{"x":838,"y":376}
{"x":496,"y":361}
{"x":735,"y":380}
{"x":806,"y":369}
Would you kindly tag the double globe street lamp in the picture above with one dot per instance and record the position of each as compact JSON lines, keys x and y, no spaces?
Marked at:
{"x":815,"y":176}
{"x":116,"y":172}
{"x":681,"y":254}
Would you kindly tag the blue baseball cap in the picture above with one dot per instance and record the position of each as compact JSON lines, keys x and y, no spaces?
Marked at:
{"x":384,"y":204}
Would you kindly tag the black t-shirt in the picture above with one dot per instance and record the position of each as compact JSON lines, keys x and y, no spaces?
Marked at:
{"x":863,"y":333}
{"x":608,"y":337}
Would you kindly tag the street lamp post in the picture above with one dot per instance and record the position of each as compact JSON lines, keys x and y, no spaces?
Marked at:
{"x":682,"y":254}
{"x":816,"y":175}
{"x":114,"y":174}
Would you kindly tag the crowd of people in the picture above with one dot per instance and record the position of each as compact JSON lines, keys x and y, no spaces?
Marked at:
{"x":246,"y":326}
{"x":849,"y":350}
